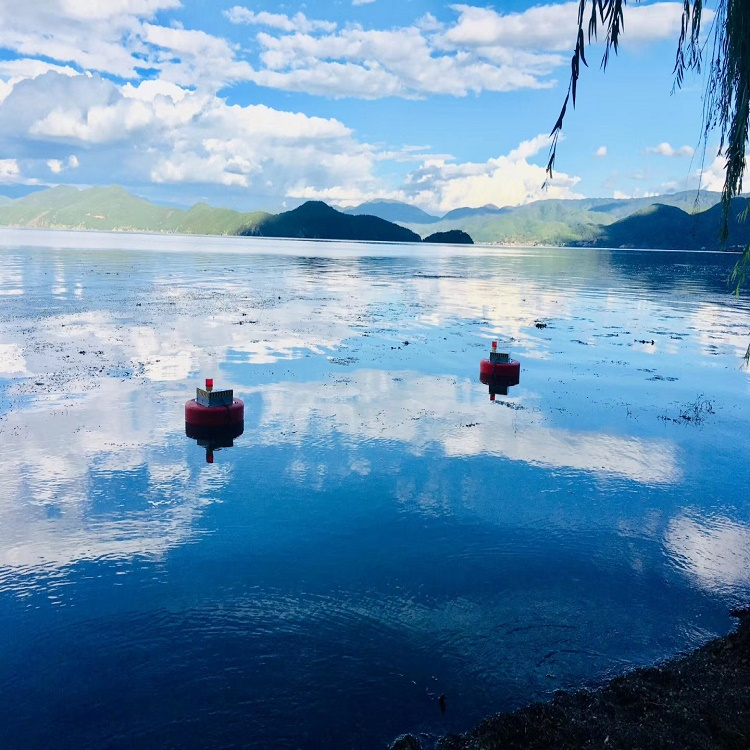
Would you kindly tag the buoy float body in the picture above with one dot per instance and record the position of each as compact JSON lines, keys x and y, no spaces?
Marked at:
{"x":198,"y":415}
{"x":489,"y":370}
{"x":214,"y":410}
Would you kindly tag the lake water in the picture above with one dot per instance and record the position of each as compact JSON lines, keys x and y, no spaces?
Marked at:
{"x":382,"y":533}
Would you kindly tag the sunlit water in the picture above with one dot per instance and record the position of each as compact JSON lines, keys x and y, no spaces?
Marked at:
{"x":382,"y":533}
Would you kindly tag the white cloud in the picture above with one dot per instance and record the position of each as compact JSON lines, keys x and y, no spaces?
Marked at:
{"x":637,"y":193}
{"x":481,"y":51}
{"x":172,"y":135}
{"x":398,"y":62}
{"x":9,"y":170}
{"x":98,"y":124}
{"x":508,"y":180}
{"x":162,"y":133}
{"x":601,"y":152}
{"x":709,"y":177}
{"x":15,"y":71}
{"x":552,"y":27}
{"x":713,"y":176}
{"x":194,"y":58}
{"x":665,"y":149}
{"x":298,"y":23}
{"x":56,"y":166}
{"x":118,"y":39}
{"x":440,"y":184}
{"x":362,"y":2}
{"x":105,"y":9}
{"x":174,"y":127}
{"x":63,"y":31}
{"x":532,"y":147}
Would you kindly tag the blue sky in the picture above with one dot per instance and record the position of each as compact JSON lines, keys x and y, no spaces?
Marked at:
{"x":261,"y":104}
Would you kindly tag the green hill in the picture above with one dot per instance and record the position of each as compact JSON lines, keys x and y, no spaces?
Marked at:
{"x":317,"y":220}
{"x":95,"y":208}
{"x":205,"y":219}
{"x":114,"y":208}
{"x":671,"y":228}
{"x":401,"y":213}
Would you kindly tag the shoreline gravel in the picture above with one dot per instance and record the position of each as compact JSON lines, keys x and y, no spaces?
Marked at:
{"x":699,"y":701}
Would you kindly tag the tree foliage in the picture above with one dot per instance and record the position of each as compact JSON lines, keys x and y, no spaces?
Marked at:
{"x":726,"y":102}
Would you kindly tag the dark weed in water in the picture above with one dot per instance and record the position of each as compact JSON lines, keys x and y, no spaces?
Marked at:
{"x":692,"y":413}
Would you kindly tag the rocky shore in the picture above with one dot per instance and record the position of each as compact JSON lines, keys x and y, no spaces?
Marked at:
{"x":700,"y":701}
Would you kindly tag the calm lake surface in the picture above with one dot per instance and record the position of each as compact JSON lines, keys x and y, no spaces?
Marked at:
{"x":382,"y":532}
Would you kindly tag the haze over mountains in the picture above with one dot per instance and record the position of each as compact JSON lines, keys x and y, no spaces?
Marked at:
{"x":686,"y":220}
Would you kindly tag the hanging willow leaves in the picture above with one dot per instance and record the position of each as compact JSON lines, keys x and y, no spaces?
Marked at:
{"x":727,"y":95}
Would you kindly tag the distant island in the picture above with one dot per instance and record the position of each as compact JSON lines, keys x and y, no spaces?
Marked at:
{"x":451,"y":237}
{"x":316,"y":220}
{"x":681,"y":221}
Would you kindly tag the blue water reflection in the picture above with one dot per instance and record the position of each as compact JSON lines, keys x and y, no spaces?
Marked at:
{"x":381,"y":533}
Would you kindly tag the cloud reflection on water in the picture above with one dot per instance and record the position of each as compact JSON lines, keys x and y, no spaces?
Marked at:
{"x":66,"y":459}
{"x":65,"y":481}
{"x":421,"y":411}
{"x":164,"y":318}
{"x":713,"y":550}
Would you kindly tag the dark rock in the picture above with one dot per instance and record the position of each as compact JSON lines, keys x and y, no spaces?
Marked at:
{"x":407,"y":742}
{"x":700,"y":701}
{"x":450,"y":742}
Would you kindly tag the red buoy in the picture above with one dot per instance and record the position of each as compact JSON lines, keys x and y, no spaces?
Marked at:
{"x":499,"y":372}
{"x":499,"y":365}
{"x":214,"y":418}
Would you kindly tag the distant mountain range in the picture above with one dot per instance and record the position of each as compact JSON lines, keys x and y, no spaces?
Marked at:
{"x":687,"y":220}
{"x":113,"y":208}
{"x":401,"y":213}
{"x":571,"y":222}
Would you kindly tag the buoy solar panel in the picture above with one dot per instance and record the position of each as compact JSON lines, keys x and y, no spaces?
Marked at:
{"x":214,"y":409}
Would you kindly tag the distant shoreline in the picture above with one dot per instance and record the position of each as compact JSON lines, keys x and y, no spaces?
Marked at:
{"x":689,"y":220}
{"x":423,"y":245}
